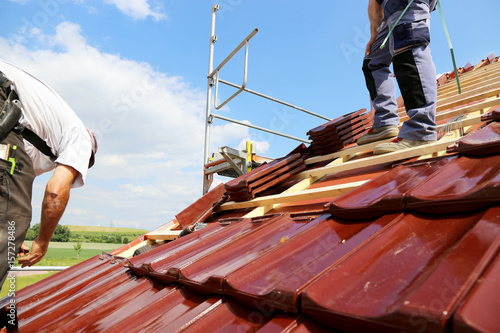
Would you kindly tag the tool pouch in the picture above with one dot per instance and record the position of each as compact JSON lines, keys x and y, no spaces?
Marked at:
{"x":9,"y":115}
{"x":411,"y":34}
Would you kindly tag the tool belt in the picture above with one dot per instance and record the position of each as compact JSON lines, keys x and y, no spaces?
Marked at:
{"x":11,"y":113}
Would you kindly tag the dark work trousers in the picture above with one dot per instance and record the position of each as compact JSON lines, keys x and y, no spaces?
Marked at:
{"x":408,"y":51}
{"x":15,"y":202}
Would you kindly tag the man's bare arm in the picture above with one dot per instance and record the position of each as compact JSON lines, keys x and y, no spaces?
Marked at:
{"x":54,"y":203}
{"x":376,"y":15}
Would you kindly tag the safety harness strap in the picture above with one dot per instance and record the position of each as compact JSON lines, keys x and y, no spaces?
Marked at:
{"x":38,"y":142}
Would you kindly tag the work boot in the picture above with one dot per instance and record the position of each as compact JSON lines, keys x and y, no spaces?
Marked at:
{"x":378,"y":133}
{"x":398,"y":144}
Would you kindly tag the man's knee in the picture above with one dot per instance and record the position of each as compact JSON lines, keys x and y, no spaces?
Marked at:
{"x":409,"y":81}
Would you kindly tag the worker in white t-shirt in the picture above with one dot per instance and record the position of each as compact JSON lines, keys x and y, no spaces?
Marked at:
{"x":54,"y":139}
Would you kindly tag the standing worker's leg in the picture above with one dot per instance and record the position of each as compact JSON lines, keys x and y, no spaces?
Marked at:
{"x":416,"y":76}
{"x":380,"y":83}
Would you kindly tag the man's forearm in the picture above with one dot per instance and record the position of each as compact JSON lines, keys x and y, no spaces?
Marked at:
{"x":376,"y":15}
{"x":53,"y":206}
{"x":54,"y":202}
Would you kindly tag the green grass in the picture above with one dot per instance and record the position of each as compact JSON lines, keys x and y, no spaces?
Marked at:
{"x":92,"y":246}
{"x":23,"y":281}
{"x":59,"y":254}
{"x":85,"y":233}
{"x":64,"y":251}
{"x":104,"y":230}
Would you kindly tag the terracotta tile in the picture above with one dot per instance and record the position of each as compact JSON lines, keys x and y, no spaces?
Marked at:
{"x":465,"y":184}
{"x":408,"y":271}
{"x":384,"y":194}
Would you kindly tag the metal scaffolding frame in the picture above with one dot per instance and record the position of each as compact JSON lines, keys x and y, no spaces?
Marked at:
{"x":214,"y":80}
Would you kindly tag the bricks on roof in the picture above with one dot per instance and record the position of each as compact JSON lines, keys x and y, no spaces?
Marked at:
{"x":265,"y":176}
{"x":340,"y":132}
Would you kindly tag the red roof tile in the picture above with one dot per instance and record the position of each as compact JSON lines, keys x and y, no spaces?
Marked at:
{"x":413,"y":276}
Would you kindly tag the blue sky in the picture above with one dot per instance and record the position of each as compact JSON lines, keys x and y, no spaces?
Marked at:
{"x":135,"y":72}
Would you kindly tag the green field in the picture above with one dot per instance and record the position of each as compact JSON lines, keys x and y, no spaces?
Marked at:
{"x":98,"y":234}
{"x":65,"y":251}
{"x":61,"y":254}
{"x":23,"y":281}
{"x":79,"y":228}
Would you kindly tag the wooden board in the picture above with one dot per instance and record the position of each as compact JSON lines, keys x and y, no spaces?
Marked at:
{"x":319,"y":193}
{"x":377,"y":159}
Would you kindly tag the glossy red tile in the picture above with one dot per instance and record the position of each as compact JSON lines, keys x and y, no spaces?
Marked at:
{"x":208,"y":273}
{"x":333,"y":124}
{"x":479,"y":312}
{"x":261,"y":171}
{"x":385,"y":193}
{"x":465,"y":184}
{"x":202,"y":208}
{"x":260,"y":185}
{"x":492,"y":115}
{"x":486,"y":141}
{"x":375,"y":287}
{"x":277,"y":279}
{"x":164,"y":264}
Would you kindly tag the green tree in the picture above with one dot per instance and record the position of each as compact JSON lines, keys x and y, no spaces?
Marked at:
{"x":78,"y":249}
{"x":33,"y":232}
{"x":125,"y":240}
{"x":61,"y":234}
{"x":30,"y":235}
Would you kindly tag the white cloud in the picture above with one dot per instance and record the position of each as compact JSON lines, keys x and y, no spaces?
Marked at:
{"x":137,"y":9}
{"x":20,"y":1}
{"x":150,"y":128}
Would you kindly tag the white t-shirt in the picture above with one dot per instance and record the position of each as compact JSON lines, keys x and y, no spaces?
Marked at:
{"x":48,"y":115}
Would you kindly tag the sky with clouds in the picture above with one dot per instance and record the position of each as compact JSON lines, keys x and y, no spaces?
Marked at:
{"x":135,"y":72}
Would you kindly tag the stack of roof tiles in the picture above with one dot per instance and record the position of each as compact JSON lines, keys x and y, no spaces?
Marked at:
{"x":340,"y":132}
{"x":265,"y":176}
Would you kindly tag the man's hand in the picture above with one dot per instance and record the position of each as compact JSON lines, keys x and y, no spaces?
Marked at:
{"x":369,"y":45}
{"x":37,"y":252}
{"x":24,"y":250}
